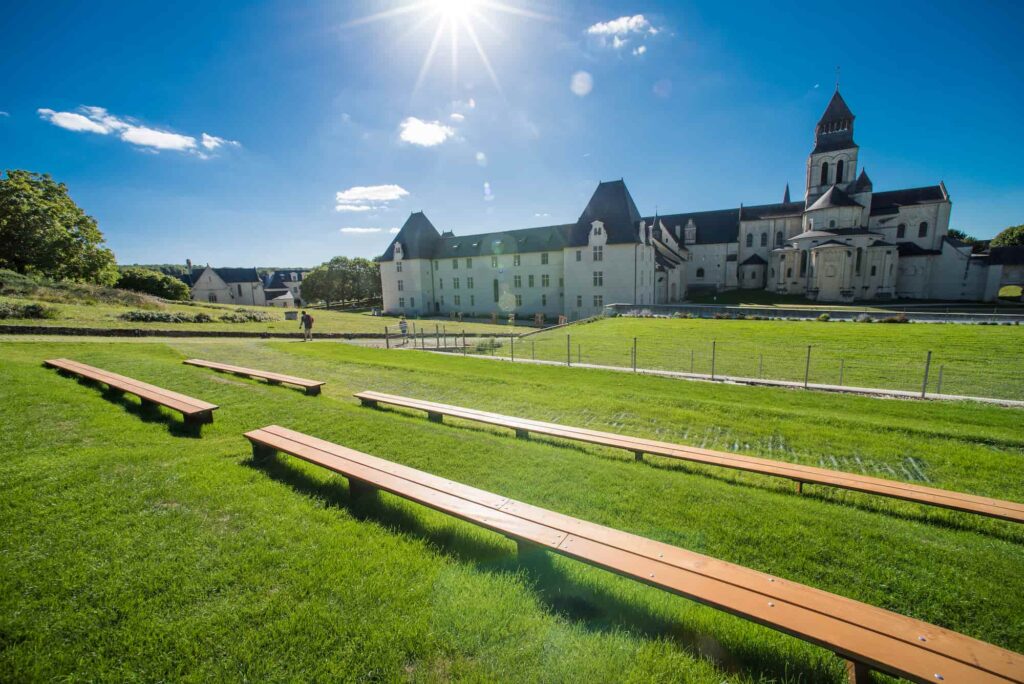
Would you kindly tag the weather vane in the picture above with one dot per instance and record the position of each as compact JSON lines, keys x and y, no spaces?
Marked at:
{"x":837,"y":78}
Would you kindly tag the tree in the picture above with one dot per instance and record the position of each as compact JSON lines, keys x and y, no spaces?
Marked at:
{"x":43,"y":231}
{"x":1011,"y":237}
{"x":342,"y":279}
{"x":154,"y":283}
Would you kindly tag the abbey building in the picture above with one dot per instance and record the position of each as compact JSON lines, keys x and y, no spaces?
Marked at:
{"x":843,"y":242}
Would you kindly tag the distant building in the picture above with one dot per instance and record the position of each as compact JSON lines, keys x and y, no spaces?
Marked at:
{"x":227,"y":286}
{"x":284,"y":288}
{"x":843,"y":242}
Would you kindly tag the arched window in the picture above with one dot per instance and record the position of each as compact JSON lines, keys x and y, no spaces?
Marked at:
{"x":901,"y":230}
{"x":750,"y":239}
{"x":922,"y":230}
{"x":778,"y":238}
{"x":824,"y":173}
{"x":803,"y":262}
{"x":839,"y":171}
{"x":700,"y":272}
{"x":860,"y":254}
{"x":764,"y":239}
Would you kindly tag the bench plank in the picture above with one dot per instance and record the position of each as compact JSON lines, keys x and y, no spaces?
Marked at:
{"x":881,"y":639}
{"x":188,"y":406}
{"x":996,"y":508}
{"x":311,"y":386}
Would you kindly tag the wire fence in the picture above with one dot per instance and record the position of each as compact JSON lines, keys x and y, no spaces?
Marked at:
{"x":926,"y":373}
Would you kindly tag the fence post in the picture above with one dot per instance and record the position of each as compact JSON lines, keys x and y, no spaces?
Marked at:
{"x":568,"y":350}
{"x":533,"y":350}
{"x":464,"y":348}
{"x":938,"y":388}
{"x":842,"y":364}
{"x":760,"y":365}
{"x":512,"y":346}
{"x":807,"y":368}
{"x":634,"y":355}
{"x":691,"y":360}
{"x":437,"y":336}
{"x":579,"y":352}
{"x":713,"y":359}
{"x":387,"y":340}
{"x":927,"y":365}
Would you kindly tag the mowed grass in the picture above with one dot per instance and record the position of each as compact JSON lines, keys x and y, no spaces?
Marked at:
{"x":105,"y":315}
{"x":131,"y":551}
{"x":979,"y":360}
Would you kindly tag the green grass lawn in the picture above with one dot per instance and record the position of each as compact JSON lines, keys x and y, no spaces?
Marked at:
{"x":107,"y":315}
{"x":976,"y":360}
{"x":131,"y":551}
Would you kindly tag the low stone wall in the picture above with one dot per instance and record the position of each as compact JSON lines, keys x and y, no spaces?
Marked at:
{"x":163,"y":332}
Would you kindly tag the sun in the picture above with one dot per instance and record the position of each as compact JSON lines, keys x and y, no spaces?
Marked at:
{"x":454,"y":20}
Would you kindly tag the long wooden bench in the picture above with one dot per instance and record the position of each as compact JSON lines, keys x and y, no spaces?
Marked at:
{"x":800,"y":474}
{"x":195,"y":412}
{"x":865,"y":636}
{"x":312,"y":387}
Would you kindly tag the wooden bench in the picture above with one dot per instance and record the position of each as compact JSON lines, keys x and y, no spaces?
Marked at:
{"x":865,"y":636}
{"x":194,"y":411}
{"x":312,"y":387}
{"x":800,"y":474}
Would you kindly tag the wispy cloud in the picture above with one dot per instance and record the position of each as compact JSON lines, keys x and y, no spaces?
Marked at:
{"x":4,"y":114}
{"x":617,"y":33}
{"x":367,"y":197}
{"x":639,"y":50}
{"x":457,"y":117}
{"x":360,"y":231}
{"x":393,"y":230}
{"x":98,"y":120}
{"x":424,"y":133}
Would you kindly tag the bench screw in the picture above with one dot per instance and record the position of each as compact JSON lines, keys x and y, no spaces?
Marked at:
{"x":771,"y":605}
{"x":921,"y":638}
{"x":939,"y":677}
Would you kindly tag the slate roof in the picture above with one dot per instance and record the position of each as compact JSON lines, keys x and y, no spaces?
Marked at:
{"x":833,"y":197}
{"x":863,"y":183}
{"x":889,"y":202}
{"x":829,"y":243}
{"x":1009,"y":256}
{"x":837,"y":110}
{"x":829,"y":141}
{"x":418,"y":236}
{"x":545,"y":238}
{"x":713,"y":227}
{"x":754,"y":260}
{"x":277,"y":279}
{"x":912,"y":249}
{"x":612,"y":204}
{"x":761,"y":211}
{"x":832,"y":232}
{"x":228,"y":275}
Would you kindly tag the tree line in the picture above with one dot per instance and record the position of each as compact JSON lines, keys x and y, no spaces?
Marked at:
{"x":342,"y":279}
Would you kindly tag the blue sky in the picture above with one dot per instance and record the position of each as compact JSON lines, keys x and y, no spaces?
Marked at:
{"x":252,"y":133}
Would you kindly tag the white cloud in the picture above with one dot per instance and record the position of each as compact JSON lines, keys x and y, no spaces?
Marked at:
{"x":98,"y":120}
{"x":4,"y":114}
{"x":541,"y":214}
{"x":617,"y":42}
{"x":424,"y":133}
{"x":481,"y":159}
{"x":393,"y":230}
{"x":640,"y":50}
{"x":455,"y":116}
{"x":582,"y":83}
{"x":367,"y":197}
{"x":367,"y":230}
{"x":622,"y":26}
{"x":662,"y":88}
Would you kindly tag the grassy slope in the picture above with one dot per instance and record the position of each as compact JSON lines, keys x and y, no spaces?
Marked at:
{"x":104,"y":315}
{"x":978,"y":360}
{"x":128,"y":551}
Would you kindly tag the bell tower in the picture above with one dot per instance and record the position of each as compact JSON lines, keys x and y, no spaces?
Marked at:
{"x":833,"y":161}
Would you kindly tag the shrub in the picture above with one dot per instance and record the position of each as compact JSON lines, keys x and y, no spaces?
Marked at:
{"x":10,"y":310}
{"x":487,"y":345}
{"x":154,"y":283}
{"x":824,"y":318}
{"x":864,"y":318}
{"x":165,"y":317}
{"x":901,"y":318}
{"x":246,"y":316}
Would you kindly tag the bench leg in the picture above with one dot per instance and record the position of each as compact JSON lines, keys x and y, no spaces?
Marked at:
{"x":638,"y":456}
{"x":151,"y":406}
{"x":262,"y":452}
{"x":857,"y":673}
{"x":359,"y":490}
{"x":799,"y":487}
{"x":527,"y":549}
{"x":369,"y":403}
{"x":313,"y":391}
{"x":273,"y":382}
{"x":435,"y":417}
{"x":522,"y":434}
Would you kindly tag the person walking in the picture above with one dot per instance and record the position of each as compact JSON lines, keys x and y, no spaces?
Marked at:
{"x":403,"y":326}
{"x":306,"y":323}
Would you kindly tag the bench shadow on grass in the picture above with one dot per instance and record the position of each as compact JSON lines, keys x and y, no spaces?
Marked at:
{"x":589,"y":605}
{"x":148,"y":413}
{"x":835,"y":496}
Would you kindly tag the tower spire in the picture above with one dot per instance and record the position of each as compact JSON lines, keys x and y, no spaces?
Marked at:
{"x":785,"y":197}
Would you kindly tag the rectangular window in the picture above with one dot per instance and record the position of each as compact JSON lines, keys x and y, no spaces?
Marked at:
{"x":543,"y":300}
{"x":412,"y":302}
{"x":598,"y":278}
{"x":469,"y":263}
{"x":515,"y":260}
{"x":529,"y":280}
{"x":922,"y":230}
{"x":455,"y":263}
{"x":598,"y":300}
{"x":494,"y":262}
{"x":455,"y":283}
{"x":440,"y":283}
{"x":561,"y":282}
{"x":874,"y":269}
{"x":398,"y":267}
{"x":401,"y":302}
{"x":458,"y":300}
{"x":544,"y":258}
{"x":401,"y":286}
{"x":519,"y":300}
{"x":545,"y":280}
{"x":579,"y":300}
{"x":517,"y":281}
{"x":598,"y":253}
{"x":472,"y":300}
{"x":901,"y":230}
{"x":495,"y":285}
{"x":469,"y":283}
{"x":579,"y":255}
